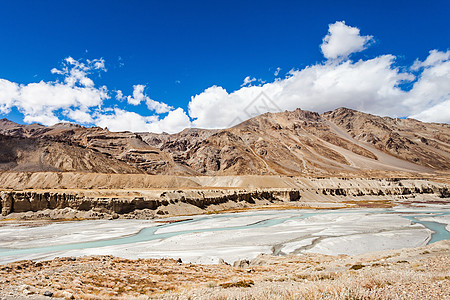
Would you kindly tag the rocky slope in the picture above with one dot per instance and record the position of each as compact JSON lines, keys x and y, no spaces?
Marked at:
{"x":21,"y":154}
{"x":297,"y":142}
{"x":427,"y":144}
{"x":112,"y":148}
{"x":302,"y":142}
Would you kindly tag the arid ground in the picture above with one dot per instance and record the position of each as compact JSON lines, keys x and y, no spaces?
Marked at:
{"x":417,"y":273}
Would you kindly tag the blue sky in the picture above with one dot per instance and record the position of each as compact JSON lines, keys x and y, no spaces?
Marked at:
{"x":180,"y":49}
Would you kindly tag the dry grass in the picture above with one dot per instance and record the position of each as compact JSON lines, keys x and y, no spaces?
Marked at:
{"x":422,"y":273}
{"x":274,"y":207}
{"x":238,"y":284}
{"x":350,"y":285}
{"x":370,"y":204}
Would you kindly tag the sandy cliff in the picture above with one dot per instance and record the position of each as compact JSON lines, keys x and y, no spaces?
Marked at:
{"x":207,"y":194}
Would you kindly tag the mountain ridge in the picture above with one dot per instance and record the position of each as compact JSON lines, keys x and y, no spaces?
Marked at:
{"x":297,"y":143}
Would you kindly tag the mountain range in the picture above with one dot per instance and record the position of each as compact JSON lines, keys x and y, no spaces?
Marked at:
{"x":293,"y":143}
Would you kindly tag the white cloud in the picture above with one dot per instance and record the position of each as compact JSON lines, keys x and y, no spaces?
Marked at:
{"x":343,"y":40}
{"x":139,"y":96}
{"x":99,"y":64}
{"x":430,"y":95}
{"x":158,"y":107}
{"x":76,"y":72}
{"x":119,"y":95}
{"x":40,"y":101}
{"x":175,"y":121}
{"x":437,"y":113}
{"x":203,"y":108}
{"x":122,"y":120}
{"x":76,"y":97}
{"x":79,"y":116}
{"x":368,"y":85}
{"x":371,"y":86}
{"x":46,"y":118}
{"x":8,"y":92}
{"x":435,"y":57}
{"x":248,"y":80}
{"x":277,"y":71}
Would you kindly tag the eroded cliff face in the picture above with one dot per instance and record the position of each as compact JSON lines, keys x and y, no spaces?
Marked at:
{"x":303,"y":193}
{"x":23,"y":201}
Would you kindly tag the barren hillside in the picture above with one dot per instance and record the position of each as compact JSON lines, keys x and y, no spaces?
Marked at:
{"x":339,"y":143}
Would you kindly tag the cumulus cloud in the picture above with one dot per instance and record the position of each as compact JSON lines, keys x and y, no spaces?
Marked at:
{"x":366,"y":85}
{"x":343,"y":40}
{"x":438,"y":113}
{"x":40,"y":100}
{"x":79,"y":116}
{"x":248,"y":80}
{"x":76,"y":98}
{"x":277,"y":71}
{"x":429,"y":97}
{"x":139,"y":96}
{"x":122,"y":120}
{"x":9,"y":91}
{"x":158,"y":107}
{"x":435,"y":57}
{"x":119,"y":95}
{"x":175,"y":121}
{"x":371,"y":86}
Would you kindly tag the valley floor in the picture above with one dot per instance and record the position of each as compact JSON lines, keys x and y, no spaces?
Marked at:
{"x":422,"y":272}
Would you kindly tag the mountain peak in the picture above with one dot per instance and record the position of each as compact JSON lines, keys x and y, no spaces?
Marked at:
{"x":298,"y":142}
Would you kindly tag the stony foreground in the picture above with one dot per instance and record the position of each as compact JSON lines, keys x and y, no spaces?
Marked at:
{"x":418,"y":273}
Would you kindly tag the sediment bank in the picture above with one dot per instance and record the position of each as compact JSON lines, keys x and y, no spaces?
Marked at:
{"x":223,"y":193}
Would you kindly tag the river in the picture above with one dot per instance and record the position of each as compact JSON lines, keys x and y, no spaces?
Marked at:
{"x":209,"y":238}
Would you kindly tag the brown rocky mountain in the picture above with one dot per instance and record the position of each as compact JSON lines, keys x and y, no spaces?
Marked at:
{"x":296,"y":142}
{"x":33,"y":155}
{"x":116,"y":152}
{"x":427,"y":144}
{"x":302,"y":142}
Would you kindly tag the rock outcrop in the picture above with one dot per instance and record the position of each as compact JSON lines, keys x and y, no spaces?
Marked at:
{"x":306,"y":193}
{"x":23,"y":201}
